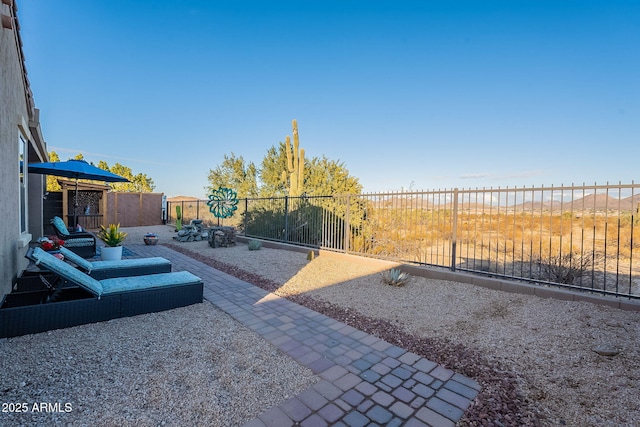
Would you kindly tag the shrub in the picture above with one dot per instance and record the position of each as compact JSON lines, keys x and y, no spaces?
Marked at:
{"x":568,"y":268}
{"x":395,"y":277}
{"x":254,"y":245}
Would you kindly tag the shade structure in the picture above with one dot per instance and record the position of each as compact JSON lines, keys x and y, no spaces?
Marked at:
{"x":78,"y":169}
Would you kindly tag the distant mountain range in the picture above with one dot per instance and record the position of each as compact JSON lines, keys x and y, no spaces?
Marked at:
{"x":181,"y":199}
{"x":598,"y":202}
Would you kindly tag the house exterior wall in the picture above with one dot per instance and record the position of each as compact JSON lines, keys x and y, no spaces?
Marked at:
{"x":17,"y":116}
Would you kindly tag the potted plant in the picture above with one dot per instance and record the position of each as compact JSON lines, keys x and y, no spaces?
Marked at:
{"x":150,"y":239}
{"x":113,"y":238}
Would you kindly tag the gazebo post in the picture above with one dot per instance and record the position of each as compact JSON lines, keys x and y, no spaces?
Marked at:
{"x":65,"y":203}
{"x":105,"y":213}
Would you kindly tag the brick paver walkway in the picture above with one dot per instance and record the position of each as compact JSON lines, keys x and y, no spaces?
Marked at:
{"x":364,"y":381}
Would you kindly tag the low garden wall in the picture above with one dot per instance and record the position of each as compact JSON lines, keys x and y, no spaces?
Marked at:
{"x":513,"y":286}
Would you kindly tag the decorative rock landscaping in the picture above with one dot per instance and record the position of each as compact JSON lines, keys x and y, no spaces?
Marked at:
{"x":190,"y":234}
{"x":222,"y":236}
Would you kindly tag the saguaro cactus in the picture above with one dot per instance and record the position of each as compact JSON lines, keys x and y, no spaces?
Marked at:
{"x":295,"y":163}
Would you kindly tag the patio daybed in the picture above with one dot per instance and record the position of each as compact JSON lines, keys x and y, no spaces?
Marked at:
{"x":126,"y":267}
{"x":82,"y":299}
{"x":83,"y":243}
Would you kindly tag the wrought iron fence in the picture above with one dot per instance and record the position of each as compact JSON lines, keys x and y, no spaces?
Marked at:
{"x":198,"y":209}
{"x":584,"y":237}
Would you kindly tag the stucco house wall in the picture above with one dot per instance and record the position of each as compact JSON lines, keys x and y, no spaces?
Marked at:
{"x":18,"y":116}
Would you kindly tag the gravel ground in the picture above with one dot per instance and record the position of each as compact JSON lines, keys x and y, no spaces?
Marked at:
{"x":533,"y":356}
{"x":189,"y":366}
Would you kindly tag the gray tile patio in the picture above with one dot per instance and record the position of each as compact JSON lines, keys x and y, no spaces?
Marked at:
{"x":364,"y":380}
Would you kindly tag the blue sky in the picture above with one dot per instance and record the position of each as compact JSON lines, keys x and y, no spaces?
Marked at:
{"x":407,"y":94}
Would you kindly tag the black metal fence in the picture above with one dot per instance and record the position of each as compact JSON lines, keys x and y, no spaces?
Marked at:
{"x":584,"y":237}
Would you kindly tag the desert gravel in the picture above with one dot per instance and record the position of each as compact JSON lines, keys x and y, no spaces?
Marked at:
{"x":189,"y":366}
{"x":197,"y":366}
{"x":532,"y":354}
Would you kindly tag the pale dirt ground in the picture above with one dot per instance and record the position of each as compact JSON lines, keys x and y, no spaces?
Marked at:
{"x":547,"y":343}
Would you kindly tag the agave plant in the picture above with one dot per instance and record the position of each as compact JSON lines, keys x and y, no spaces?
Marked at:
{"x":112,"y":236}
{"x":395,"y":277}
{"x":254,"y":245}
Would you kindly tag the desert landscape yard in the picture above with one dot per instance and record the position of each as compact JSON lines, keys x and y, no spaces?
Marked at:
{"x":540,"y":362}
{"x":536,"y":355}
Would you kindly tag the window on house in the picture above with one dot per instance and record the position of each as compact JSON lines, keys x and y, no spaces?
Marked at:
{"x":22,"y":168}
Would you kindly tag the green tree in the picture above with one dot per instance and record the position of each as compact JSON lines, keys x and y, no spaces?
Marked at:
{"x":103,"y":165}
{"x":236,"y":174}
{"x":272,"y":167}
{"x":52,"y":181}
{"x":322,"y":177}
{"x":139,"y":183}
{"x":330,"y":177}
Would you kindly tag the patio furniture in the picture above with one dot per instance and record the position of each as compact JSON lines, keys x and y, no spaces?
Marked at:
{"x":81,"y":299}
{"x":83,"y":243}
{"x":126,"y":267}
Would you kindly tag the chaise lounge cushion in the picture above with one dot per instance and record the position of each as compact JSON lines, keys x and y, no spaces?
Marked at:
{"x":63,"y":232}
{"x":76,"y":259}
{"x":90,"y":267}
{"x":151,"y":281}
{"x":59,"y":224}
{"x":111,"y":286}
{"x":65,"y":270}
{"x":82,"y":243}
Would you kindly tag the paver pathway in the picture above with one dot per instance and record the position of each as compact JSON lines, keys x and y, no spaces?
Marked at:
{"x":364,"y":381}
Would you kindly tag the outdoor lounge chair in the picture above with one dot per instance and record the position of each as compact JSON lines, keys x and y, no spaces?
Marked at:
{"x":126,"y":267}
{"x":81,"y":299}
{"x":83,"y":243}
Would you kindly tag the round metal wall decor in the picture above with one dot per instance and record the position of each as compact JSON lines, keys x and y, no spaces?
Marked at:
{"x":223,"y":202}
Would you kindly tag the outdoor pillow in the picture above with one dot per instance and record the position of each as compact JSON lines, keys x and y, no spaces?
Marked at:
{"x":73,"y":242}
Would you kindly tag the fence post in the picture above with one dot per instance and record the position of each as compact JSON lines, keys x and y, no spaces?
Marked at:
{"x":347,"y":226}
{"x":246,"y":213}
{"x":454,"y":233}
{"x":286,"y":218}
{"x":117,"y":220}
